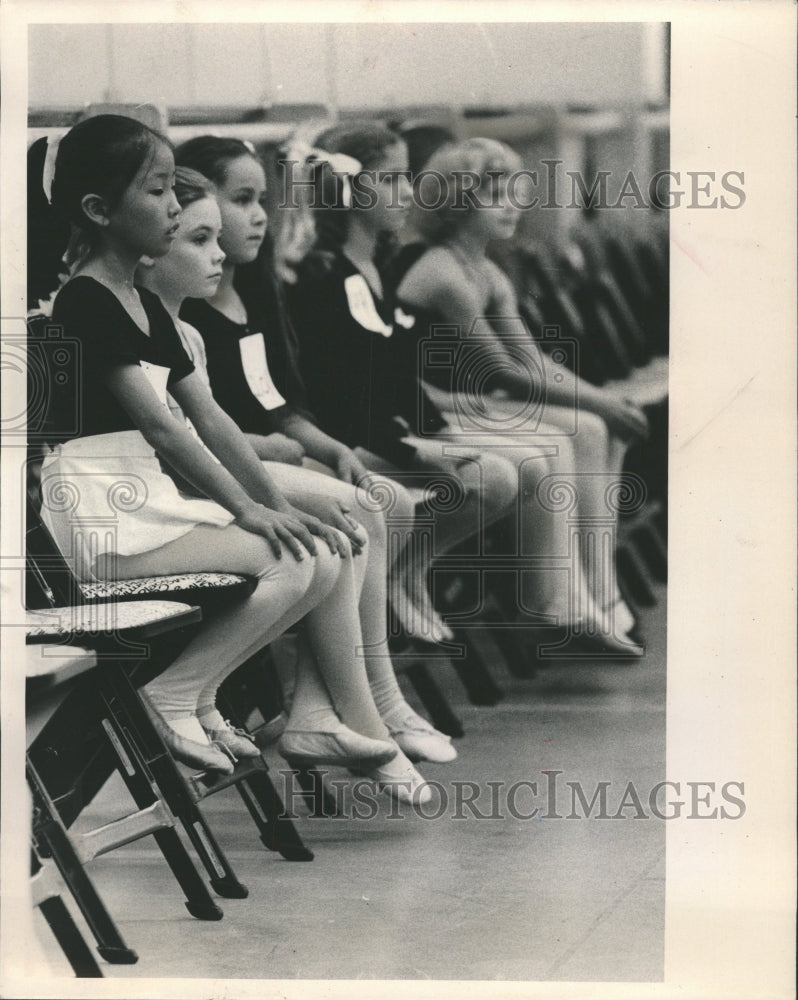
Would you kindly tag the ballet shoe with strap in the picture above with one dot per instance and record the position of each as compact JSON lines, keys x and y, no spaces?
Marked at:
{"x":174,"y":733}
{"x":237,"y":741}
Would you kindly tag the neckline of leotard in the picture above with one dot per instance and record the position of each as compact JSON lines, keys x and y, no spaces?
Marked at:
{"x":142,"y":298}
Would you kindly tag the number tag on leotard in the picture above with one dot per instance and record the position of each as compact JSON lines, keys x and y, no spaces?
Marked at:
{"x":158,"y":376}
{"x":401,"y":318}
{"x":361,"y":305}
{"x":256,"y":371}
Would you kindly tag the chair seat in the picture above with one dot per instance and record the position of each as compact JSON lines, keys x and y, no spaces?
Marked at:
{"x":159,"y":585}
{"x":93,"y":618}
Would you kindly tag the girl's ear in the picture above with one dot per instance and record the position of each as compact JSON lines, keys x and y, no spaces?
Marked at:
{"x":95,"y":208}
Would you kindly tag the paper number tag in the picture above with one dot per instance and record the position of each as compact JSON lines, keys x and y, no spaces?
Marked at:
{"x":256,"y":371}
{"x":158,"y":377}
{"x":361,"y":305}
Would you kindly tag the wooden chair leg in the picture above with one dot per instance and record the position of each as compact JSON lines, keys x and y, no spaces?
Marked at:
{"x":54,"y":910}
{"x":53,"y":840}
{"x":440,"y":712}
{"x":473,"y":671}
{"x":277,"y":830}
{"x":158,"y":775}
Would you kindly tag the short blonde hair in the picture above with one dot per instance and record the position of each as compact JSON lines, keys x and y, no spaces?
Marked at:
{"x":437,"y":183}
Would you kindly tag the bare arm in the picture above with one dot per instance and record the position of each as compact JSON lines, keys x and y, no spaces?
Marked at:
{"x":325,"y":449}
{"x":441,"y":287}
{"x":171,"y":439}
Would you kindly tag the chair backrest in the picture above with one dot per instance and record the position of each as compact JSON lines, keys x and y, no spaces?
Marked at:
{"x":49,"y":580}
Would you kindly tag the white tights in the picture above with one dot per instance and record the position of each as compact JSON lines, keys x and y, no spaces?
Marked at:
{"x":319,"y":590}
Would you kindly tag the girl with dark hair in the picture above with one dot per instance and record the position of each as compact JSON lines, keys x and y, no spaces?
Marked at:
{"x":114,"y":184}
{"x":358,"y":358}
{"x":253,"y":376}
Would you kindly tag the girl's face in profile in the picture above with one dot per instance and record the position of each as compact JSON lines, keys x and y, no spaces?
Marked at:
{"x":497,"y":217}
{"x":193,"y":267}
{"x":240,"y":199}
{"x":392,"y":190}
{"x":146,"y":217}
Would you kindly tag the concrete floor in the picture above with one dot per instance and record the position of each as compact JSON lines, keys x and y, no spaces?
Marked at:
{"x":404,"y":897}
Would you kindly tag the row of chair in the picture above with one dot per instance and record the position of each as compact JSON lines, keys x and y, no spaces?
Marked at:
{"x":119,"y":635}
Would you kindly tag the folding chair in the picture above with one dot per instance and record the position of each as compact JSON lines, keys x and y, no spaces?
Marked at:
{"x":80,"y":726}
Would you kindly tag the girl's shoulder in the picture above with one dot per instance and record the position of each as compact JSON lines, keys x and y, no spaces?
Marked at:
{"x":86,"y":298}
{"x":434,"y":270}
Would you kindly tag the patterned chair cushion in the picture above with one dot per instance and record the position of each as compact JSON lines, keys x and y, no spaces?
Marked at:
{"x":160,"y":584}
{"x":94,"y":618}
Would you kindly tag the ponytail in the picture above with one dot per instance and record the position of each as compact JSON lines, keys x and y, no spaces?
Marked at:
{"x":48,"y":233}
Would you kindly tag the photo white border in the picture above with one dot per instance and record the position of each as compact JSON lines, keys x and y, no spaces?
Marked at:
{"x":731,"y":638}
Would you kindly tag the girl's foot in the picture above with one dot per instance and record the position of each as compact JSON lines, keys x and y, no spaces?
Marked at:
{"x":219,"y":730}
{"x":419,"y":619}
{"x":618,"y":617}
{"x":416,"y":738}
{"x":400,"y":780}
{"x":186,"y":741}
{"x":342,"y":747}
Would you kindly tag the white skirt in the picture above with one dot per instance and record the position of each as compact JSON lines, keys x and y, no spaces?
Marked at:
{"x":107,"y":494}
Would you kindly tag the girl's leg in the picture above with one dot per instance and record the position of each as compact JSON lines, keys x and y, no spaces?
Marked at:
{"x":488,"y":482}
{"x":596,"y":451}
{"x":370,"y":508}
{"x":287,"y":591}
{"x":559,"y":587}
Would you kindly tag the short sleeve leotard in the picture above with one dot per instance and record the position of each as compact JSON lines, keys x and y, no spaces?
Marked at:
{"x":359,"y":360}
{"x":103,"y":488}
{"x":252,"y":366}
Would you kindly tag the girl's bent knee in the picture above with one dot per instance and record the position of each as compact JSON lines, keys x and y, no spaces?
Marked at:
{"x":500,"y":483}
{"x":293,"y":578}
{"x":591,"y":431}
{"x":326,"y":569}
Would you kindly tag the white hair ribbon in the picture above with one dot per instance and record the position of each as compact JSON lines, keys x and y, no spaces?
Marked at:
{"x":48,"y":170}
{"x":341,"y":164}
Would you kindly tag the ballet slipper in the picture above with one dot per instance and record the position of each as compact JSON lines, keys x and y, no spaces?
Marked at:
{"x":417,"y":738}
{"x":182,"y":737}
{"x":620,"y":615}
{"x":420,"y":621}
{"x":341,"y":747}
{"x":400,"y":780}
{"x":237,"y":741}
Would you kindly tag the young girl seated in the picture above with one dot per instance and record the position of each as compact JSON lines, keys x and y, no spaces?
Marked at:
{"x":113,"y":183}
{"x":356,"y":356}
{"x":192,"y":268}
{"x":360,"y":355}
{"x":454,"y":282}
{"x":267,"y":398}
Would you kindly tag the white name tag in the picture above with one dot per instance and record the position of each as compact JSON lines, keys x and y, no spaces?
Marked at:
{"x":256,"y":371}
{"x":361,"y":305}
{"x":158,"y":377}
{"x":401,"y":318}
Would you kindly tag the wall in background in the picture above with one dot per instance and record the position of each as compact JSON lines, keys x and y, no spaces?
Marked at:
{"x":348,"y":65}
